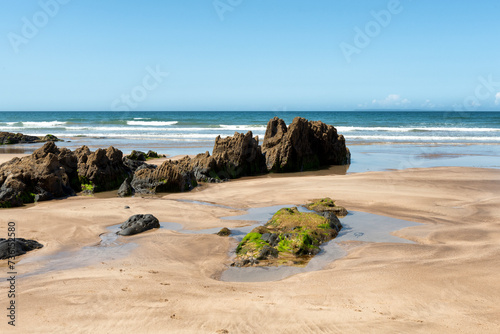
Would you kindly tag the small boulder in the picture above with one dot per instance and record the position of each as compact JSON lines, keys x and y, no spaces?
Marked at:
{"x":17,"y":247}
{"x":125,"y":189}
{"x":137,"y":156}
{"x":138,"y":224}
{"x":224,"y":232}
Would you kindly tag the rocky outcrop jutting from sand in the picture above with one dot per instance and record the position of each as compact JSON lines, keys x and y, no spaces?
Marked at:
{"x":289,"y":238}
{"x":52,"y":172}
{"x":49,"y":172}
{"x":232,"y":157}
{"x":170,"y":176}
{"x":101,"y":170}
{"x":303,"y":145}
{"x":138,"y":224}
{"x":8,"y":138}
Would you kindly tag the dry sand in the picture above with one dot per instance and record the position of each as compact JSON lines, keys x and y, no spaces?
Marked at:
{"x":447,"y":282}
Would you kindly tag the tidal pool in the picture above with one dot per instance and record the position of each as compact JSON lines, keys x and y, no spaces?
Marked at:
{"x":357,"y":226}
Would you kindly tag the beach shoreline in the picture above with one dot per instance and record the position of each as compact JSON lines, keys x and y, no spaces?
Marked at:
{"x":445,"y":282}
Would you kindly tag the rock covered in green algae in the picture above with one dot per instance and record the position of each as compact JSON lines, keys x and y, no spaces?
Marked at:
{"x":290,"y":237}
{"x":327,"y":205}
{"x":224,"y":232}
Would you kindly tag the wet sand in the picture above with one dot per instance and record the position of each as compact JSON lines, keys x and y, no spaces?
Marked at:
{"x":446,"y":281}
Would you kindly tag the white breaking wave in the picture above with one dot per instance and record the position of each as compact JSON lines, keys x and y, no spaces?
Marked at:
{"x":152,"y":123}
{"x":140,"y":135}
{"x":423,"y":138}
{"x":341,"y":129}
{"x":33,"y":125}
{"x":243,"y":127}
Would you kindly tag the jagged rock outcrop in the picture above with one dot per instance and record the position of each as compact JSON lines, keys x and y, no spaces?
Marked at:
{"x":103,"y":169}
{"x":232,"y":157}
{"x":49,"y":172}
{"x":238,"y":156}
{"x":138,"y":224}
{"x":8,"y":138}
{"x":302,"y":146}
{"x":171,"y":176}
{"x":52,"y":172}
{"x":17,"y":247}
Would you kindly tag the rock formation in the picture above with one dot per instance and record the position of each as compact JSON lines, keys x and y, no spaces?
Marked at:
{"x":102,"y":170}
{"x":232,"y":157}
{"x":290,"y":237}
{"x":138,"y":224}
{"x":8,"y":138}
{"x":49,"y":172}
{"x":302,"y":146}
{"x":171,"y":176}
{"x":17,"y":247}
{"x":327,"y":205}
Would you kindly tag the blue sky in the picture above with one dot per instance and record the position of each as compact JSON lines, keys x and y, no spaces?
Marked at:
{"x":249,"y":55}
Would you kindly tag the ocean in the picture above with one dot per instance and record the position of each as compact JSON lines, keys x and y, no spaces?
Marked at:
{"x":174,"y":133}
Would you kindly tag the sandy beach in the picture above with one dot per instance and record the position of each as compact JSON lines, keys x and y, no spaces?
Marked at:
{"x":166,"y":281}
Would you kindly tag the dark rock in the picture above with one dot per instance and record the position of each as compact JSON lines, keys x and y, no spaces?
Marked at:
{"x":137,"y":156}
{"x":224,"y":232}
{"x":125,"y":189}
{"x":7,"y":138}
{"x":138,"y":224}
{"x":17,"y":247}
{"x":267,"y":252}
{"x":271,"y":238}
{"x":302,"y":146}
{"x":152,"y":155}
{"x":126,"y":207}
{"x":132,"y":165}
{"x":103,"y":169}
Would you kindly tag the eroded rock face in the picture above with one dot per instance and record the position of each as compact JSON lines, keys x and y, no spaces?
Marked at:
{"x":238,"y":156}
{"x":17,"y":247}
{"x":103,"y":169}
{"x":52,"y":172}
{"x":232,"y":157}
{"x":49,"y":172}
{"x":302,"y":146}
{"x":171,"y":176}
{"x":138,"y":224}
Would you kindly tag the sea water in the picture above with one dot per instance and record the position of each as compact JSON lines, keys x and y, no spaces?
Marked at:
{"x":393,"y":137}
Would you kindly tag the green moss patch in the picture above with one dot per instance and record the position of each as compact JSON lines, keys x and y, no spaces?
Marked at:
{"x":327,"y":205}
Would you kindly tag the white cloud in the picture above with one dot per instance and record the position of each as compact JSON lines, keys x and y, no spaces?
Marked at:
{"x":392,"y":100}
{"x":497,"y":99}
{"x":428,"y":104}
